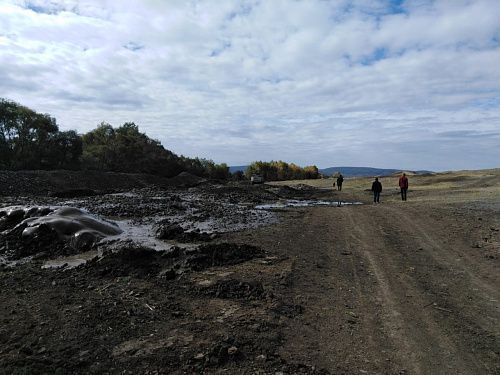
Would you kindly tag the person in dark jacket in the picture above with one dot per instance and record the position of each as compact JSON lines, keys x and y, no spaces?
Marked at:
{"x":340,"y":180}
{"x":377,"y":189}
{"x":403,"y":184}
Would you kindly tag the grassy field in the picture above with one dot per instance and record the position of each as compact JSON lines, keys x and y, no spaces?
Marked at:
{"x":477,"y":185}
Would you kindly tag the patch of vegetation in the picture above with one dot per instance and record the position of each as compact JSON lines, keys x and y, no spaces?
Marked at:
{"x":280,"y":171}
{"x":30,"y":140}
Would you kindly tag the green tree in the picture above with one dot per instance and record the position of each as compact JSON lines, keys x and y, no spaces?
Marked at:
{"x":98,"y":147}
{"x":25,"y":136}
{"x":126,"y":149}
{"x":280,"y":170}
{"x":30,"y":140}
{"x":65,"y":150}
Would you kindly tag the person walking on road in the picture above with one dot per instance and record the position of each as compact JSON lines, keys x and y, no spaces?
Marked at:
{"x":403,"y":184}
{"x":377,"y":189}
{"x":340,"y":180}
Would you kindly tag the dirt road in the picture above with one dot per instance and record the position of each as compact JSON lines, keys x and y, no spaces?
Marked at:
{"x":392,"y":288}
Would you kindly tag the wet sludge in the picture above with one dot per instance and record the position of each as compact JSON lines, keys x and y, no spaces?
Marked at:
{"x":50,"y":231}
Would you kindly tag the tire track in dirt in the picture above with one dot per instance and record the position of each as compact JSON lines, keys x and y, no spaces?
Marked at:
{"x":382,"y":303}
{"x":463,"y":291}
{"x":446,"y":254}
{"x":370,"y":243}
{"x":422,"y":344}
{"x":332,"y":332}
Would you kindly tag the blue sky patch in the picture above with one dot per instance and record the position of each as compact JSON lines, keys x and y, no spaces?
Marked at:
{"x":377,"y":55}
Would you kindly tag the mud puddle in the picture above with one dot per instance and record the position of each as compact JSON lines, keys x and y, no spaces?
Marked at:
{"x":158,"y":219}
{"x":71,"y":261}
{"x":303,"y":203}
{"x":141,"y":234}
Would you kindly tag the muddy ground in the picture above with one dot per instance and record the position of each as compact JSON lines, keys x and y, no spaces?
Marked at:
{"x":202,"y":281}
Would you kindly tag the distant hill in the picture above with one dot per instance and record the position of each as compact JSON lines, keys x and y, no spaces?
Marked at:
{"x":363,"y":171}
{"x":346,"y":171}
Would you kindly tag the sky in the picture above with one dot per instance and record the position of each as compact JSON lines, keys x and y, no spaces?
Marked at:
{"x":409,"y":84}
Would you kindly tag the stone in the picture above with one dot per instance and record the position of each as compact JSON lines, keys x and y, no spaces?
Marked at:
{"x":199,"y":356}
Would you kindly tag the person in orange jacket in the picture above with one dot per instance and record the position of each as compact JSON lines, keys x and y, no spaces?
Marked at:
{"x":403,"y":184}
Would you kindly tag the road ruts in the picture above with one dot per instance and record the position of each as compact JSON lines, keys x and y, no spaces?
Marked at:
{"x":386,"y":290}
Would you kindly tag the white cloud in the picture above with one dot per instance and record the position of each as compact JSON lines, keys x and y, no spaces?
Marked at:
{"x":414,"y":85}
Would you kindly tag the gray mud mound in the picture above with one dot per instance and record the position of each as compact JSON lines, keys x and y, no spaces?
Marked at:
{"x":169,"y":231}
{"x":47,"y":232}
{"x":173,"y":231}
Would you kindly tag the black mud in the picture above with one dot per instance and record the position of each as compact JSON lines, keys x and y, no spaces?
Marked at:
{"x":202,"y":304}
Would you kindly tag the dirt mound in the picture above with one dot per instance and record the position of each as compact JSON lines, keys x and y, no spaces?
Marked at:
{"x":130,"y":260}
{"x":173,"y":231}
{"x":221,"y":254}
{"x":235,"y":289}
{"x":185,"y":179}
{"x":68,"y":183}
{"x":45,"y":244}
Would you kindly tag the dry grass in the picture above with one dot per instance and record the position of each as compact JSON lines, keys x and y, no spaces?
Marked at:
{"x":476,"y":185}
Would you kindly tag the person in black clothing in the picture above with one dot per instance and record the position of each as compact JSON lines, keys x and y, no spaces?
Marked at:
{"x":340,"y":179}
{"x":377,"y":189}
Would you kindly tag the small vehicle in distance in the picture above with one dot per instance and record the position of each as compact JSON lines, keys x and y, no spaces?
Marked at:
{"x":256,"y":179}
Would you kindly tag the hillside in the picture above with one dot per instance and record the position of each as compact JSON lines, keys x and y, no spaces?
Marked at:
{"x":362,"y":171}
{"x":346,"y":171}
